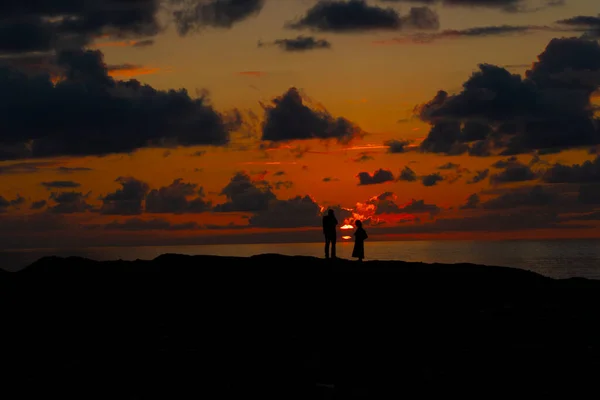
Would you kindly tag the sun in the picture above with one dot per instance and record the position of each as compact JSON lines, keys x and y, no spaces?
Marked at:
{"x":346,"y":227}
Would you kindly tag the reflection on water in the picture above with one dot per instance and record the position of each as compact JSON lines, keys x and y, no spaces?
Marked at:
{"x":554,"y":258}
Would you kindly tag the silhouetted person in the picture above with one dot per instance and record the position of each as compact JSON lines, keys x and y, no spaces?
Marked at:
{"x":360,"y":235}
{"x":329,"y":226}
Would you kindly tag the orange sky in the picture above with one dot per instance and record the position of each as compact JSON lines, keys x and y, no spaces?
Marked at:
{"x":374,"y":79}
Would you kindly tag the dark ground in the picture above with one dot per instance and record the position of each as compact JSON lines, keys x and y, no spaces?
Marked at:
{"x":271,"y":326}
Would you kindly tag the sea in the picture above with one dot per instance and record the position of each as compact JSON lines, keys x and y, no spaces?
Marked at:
{"x":560,"y":259}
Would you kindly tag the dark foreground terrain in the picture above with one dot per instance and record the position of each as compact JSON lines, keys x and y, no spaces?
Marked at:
{"x":271,"y":326}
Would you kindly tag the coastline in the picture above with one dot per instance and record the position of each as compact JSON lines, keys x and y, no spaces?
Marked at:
{"x":295,"y":327}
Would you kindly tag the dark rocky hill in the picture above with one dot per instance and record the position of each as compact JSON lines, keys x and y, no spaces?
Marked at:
{"x":273,"y":326}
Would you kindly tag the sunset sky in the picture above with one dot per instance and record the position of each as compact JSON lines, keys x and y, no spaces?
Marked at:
{"x":156,"y":122}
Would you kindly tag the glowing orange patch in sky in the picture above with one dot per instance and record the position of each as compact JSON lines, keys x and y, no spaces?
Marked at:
{"x":128,"y":71}
{"x":346,"y":237}
{"x":256,"y":74}
{"x":346,"y":227}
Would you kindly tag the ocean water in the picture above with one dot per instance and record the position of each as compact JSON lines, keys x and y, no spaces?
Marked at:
{"x":554,"y":258}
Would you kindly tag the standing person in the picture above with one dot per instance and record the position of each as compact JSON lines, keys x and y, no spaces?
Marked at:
{"x":360,"y":235}
{"x":329,"y":226}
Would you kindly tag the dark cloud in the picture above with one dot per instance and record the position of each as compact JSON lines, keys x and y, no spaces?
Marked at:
{"x":431,"y":179}
{"x":379,"y":176}
{"x":509,"y":6}
{"x":589,"y":194}
{"x":283,"y":185}
{"x":536,"y":196}
{"x":61,"y":185}
{"x":177,"y":198}
{"x":385,"y":204}
{"x":5,"y":204}
{"x":476,"y":32}
{"x":505,"y":163}
{"x":245,"y":195}
{"x":588,"y":24}
{"x":69,"y":170}
{"x":330,"y":179}
{"x":479,"y":176}
{"x":548,"y":109}
{"x":407,"y":175}
{"x":473,"y":201}
{"x":38,"y":205}
{"x":396,"y":146}
{"x":193,"y":15}
{"x":588,"y":172}
{"x":41,"y":26}
{"x":363,"y":157}
{"x":89,"y":113}
{"x":296,"y":212}
{"x":449,"y":165}
{"x":288,"y":118}
{"x":511,"y":221}
{"x":25,"y":167}
{"x":419,"y":206}
{"x":358,"y":16}
{"x":516,"y":172}
{"x":138,"y":224}
{"x":298,"y":44}
{"x":279,"y":173}
{"x":127,"y":200}
{"x":69,"y":203}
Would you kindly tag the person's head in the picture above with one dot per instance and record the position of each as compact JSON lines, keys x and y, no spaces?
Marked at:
{"x":330,"y":212}
{"x":358,"y":223}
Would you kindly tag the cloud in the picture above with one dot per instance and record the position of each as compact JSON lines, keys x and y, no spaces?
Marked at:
{"x":89,"y":113}
{"x":472,"y":202}
{"x":589,"y":194}
{"x":298,"y":44}
{"x":407,"y":175}
{"x":283,"y":185}
{"x":449,"y":165}
{"x":549,"y":109}
{"x":479,"y":176}
{"x":38,"y":205}
{"x":379,"y":176}
{"x":476,"y":32}
{"x":42,"y":26}
{"x":5,"y":204}
{"x":396,"y":146}
{"x":363,"y":157}
{"x":419,"y":206}
{"x":590,"y":25}
{"x":177,"y":198}
{"x":295,"y":212}
{"x":358,"y":16}
{"x":288,"y":118}
{"x":330,"y":179}
{"x":509,"y":6}
{"x":516,"y":172}
{"x":69,"y":170}
{"x":127,"y":200}
{"x":69,"y":203}
{"x":587,"y":172}
{"x":138,"y":224}
{"x":245,"y":195}
{"x":192,"y":16}
{"x":61,"y":185}
{"x":536,"y":196}
{"x":431,"y":179}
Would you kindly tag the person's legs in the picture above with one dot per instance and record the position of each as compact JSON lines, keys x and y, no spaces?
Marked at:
{"x":333,"y":240}
{"x":327,"y":242}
